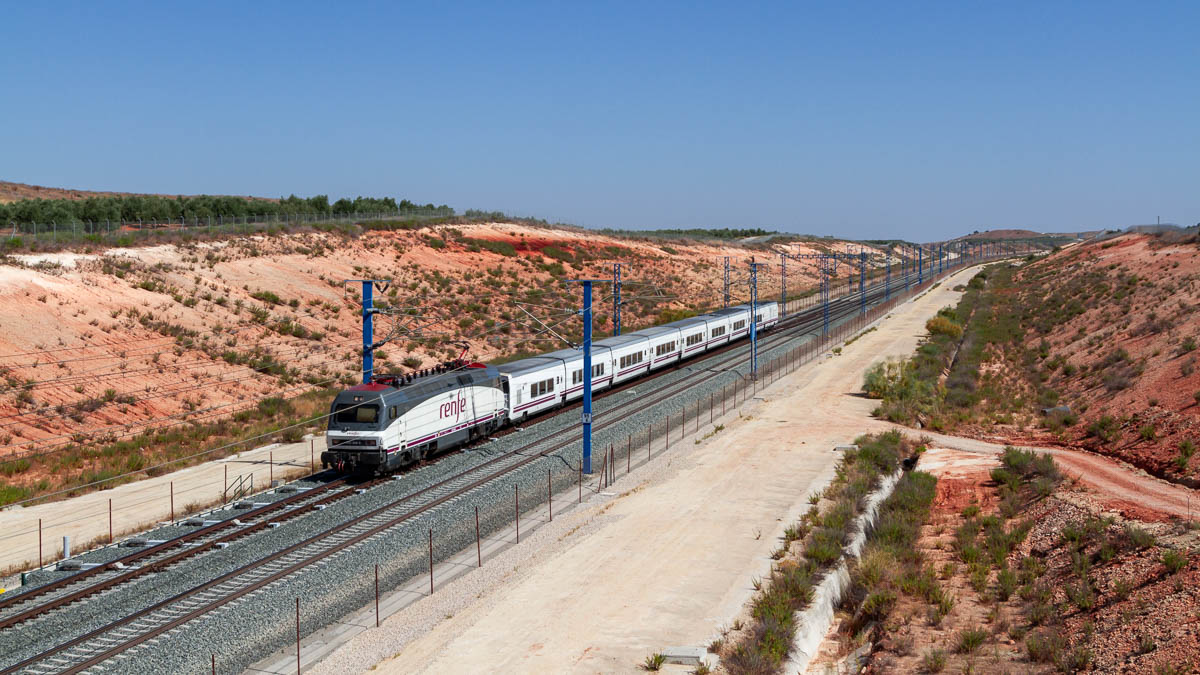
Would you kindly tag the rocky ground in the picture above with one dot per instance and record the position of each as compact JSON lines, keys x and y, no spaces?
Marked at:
{"x":1135,"y":613}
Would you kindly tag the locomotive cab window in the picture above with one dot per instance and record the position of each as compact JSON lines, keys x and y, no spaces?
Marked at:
{"x":392,"y":413}
{"x":349,"y":413}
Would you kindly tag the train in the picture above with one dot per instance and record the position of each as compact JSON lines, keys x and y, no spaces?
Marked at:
{"x":393,"y":421}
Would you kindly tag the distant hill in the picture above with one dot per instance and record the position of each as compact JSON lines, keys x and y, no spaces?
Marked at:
{"x":15,"y":192}
{"x":998,"y":235}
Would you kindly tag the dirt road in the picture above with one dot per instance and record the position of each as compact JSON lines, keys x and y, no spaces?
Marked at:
{"x":1120,"y":486}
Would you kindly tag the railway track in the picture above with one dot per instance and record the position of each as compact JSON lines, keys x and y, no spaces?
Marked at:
{"x":155,"y":556}
{"x":93,"y":648}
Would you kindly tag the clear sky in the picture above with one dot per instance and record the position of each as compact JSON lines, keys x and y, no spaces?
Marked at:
{"x":861,"y":119}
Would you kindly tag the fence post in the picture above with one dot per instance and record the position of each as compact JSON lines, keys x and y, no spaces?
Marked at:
{"x":39,"y":542}
{"x":431,"y":561}
{"x":110,"y":527}
{"x":517,"y":502}
{"x":377,"y":595}
{"x":549,"y":496}
{"x":172,"y":501}
{"x":479,"y":549}
{"x":297,"y":635}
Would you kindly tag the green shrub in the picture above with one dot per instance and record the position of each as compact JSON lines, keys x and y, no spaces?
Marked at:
{"x":1106,"y":429}
{"x":1138,"y":537}
{"x":940,"y":325}
{"x":970,"y":640}
{"x":934,"y":660}
{"x":1044,"y":647}
{"x":1174,"y":560}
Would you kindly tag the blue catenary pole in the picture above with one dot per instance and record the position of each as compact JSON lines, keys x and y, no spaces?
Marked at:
{"x":782,"y":285}
{"x":368,"y":314}
{"x":616,"y":298}
{"x":753,"y":321}
{"x":862,"y":280}
{"x":726,"y":282}
{"x":587,"y":377}
{"x":887,"y":284}
{"x":826,"y":273}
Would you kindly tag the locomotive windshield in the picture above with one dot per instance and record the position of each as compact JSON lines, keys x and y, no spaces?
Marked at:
{"x":350,"y":413}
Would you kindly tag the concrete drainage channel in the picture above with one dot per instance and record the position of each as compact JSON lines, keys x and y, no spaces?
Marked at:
{"x":814,"y":621}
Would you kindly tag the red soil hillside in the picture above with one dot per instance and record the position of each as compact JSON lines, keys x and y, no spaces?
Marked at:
{"x":1000,"y":235}
{"x":1111,"y":331}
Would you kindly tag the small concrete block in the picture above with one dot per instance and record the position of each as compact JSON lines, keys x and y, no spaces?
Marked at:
{"x":845,"y":448}
{"x":684,"y":656}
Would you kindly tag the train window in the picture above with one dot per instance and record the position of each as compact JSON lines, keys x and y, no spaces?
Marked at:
{"x":577,"y":376}
{"x":694,"y":339}
{"x":718,"y":331}
{"x":392,"y":413}
{"x":598,"y":370}
{"x":738,"y":325}
{"x":758,"y":318}
{"x":543,"y":387}
{"x":357,"y":414}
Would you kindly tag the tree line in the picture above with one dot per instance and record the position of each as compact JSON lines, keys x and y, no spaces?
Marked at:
{"x":717,"y":233}
{"x":156,"y":209}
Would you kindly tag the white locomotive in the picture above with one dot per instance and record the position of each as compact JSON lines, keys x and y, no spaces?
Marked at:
{"x":398,"y":419}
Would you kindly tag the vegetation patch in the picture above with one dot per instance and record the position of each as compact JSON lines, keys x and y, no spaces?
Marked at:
{"x":812,"y":547}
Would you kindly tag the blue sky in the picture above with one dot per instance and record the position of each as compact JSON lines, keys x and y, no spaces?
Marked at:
{"x":920,"y":120}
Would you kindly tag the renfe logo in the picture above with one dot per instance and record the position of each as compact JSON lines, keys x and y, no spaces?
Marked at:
{"x":454,"y":408}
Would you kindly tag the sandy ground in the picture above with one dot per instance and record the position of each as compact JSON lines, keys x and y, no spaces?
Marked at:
{"x":673,"y":559}
{"x":140,"y":504}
